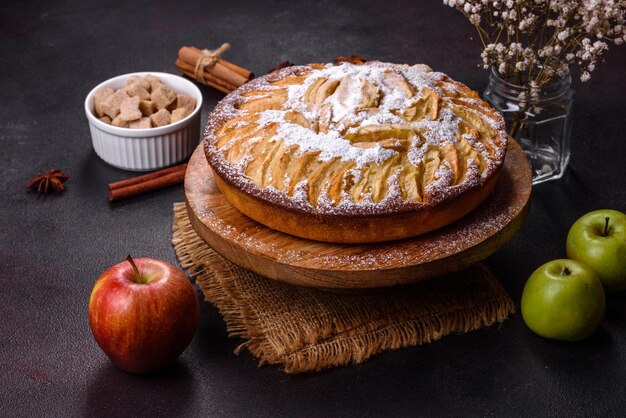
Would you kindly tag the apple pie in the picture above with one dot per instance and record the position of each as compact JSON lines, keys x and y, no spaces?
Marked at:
{"x":355,"y":153}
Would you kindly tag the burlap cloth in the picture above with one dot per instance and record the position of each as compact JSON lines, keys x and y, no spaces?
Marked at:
{"x":304,"y":329}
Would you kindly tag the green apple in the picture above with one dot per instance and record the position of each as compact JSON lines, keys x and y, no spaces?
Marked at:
{"x":563,"y":300}
{"x":598,"y":239}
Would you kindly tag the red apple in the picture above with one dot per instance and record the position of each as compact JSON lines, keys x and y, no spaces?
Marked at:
{"x":143,"y":314}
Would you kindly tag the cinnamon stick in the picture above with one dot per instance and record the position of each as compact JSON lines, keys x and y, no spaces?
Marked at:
{"x":209,"y":79}
{"x":222,"y":75}
{"x":148,"y":182}
{"x":229,"y":74}
{"x":240,"y":70}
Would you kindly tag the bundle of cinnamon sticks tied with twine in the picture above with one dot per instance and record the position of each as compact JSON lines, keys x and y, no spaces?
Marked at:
{"x":206,"y":67}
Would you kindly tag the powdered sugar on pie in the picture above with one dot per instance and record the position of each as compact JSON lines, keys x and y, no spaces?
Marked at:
{"x":352,"y":139}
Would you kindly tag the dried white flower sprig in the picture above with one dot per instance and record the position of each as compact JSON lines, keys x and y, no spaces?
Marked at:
{"x":533,"y":42}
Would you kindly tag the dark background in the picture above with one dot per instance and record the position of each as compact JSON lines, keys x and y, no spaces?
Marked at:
{"x":52,"y":249}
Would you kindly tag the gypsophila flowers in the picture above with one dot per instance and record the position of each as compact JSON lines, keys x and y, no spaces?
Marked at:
{"x":535,"y":41}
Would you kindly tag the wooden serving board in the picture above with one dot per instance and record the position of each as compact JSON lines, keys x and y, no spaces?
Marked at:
{"x":287,"y":258}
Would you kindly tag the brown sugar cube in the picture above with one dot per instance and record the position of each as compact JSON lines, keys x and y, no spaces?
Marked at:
{"x":154,"y":81}
{"x":163,"y":96}
{"x":139,"y":80}
{"x":137,"y":89}
{"x":99,"y":97}
{"x":117,"y":121}
{"x":170,"y":108}
{"x":129,"y":109}
{"x":105,"y":119}
{"x":147,"y":107}
{"x":140,"y":123}
{"x":179,"y":114}
{"x":111,"y":105}
{"x":161,"y":118}
{"x":187,"y":102}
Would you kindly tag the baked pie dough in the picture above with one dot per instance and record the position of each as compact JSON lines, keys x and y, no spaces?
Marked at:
{"x":355,"y":153}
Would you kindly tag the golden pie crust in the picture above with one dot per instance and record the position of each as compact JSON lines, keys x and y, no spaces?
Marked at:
{"x":355,"y":153}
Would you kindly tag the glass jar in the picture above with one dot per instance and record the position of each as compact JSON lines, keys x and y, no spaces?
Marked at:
{"x":541,"y":124}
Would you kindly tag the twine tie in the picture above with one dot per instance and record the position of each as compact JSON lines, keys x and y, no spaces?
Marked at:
{"x":209,"y":58}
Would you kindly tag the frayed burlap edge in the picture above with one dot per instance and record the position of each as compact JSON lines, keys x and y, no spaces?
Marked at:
{"x":220,"y":281}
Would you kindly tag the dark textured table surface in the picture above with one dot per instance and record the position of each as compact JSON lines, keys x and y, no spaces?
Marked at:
{"x":53,"y":249}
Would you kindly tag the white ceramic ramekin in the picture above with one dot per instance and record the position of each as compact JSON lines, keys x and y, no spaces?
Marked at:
{"x":146,"y":149}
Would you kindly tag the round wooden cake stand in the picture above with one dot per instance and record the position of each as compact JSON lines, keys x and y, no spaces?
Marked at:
{"x":287,"y":258}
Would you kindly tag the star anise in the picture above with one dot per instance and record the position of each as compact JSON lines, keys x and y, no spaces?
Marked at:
{"x":51,"y":180}
{"x":282,"y":65}
{"x":354,"y":59}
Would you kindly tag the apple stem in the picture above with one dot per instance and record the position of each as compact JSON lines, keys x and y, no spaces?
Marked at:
{"x":566,"y":271}
{"x":132,"y":263}
{"x":606,"y":227}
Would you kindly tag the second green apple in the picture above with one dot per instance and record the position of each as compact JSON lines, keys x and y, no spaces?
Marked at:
{"x":598,"y":239}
